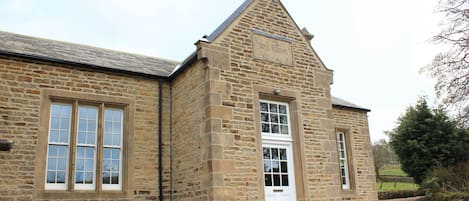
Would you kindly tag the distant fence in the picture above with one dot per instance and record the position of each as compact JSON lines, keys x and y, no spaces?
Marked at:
{"x":403,"y":179}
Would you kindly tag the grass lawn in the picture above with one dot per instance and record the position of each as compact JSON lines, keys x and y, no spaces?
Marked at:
{"x":395,"y":186}
{"x":392,"y":171}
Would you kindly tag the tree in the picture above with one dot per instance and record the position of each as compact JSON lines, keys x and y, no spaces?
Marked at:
{"x":451,"y":67}
{"x":425,"y":138}
{"x":383,"y":154}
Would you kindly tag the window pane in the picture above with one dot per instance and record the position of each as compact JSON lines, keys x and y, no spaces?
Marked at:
{"x":267,"y":166}
{"x":283,"y":154}
{"x":116,"y":154}
{"x":282,"y":109}
{"x":54,"y":136}
{"x":284,"y":180}
{"x":273,"y":108}
{"x":80,"y":165}
{"x":284,"y":129}
{"x":61,"y":177}
{"x":64,"y":123}
{"x":79,"y":177}
{"x":275,"y":153}
{"x":115,"y":178}
{"x":284,"y":167}
{"x":51,"y":164}
{"x":106,"y":178}
{"x":89,"y":152}
{"x":80,"y":152}
{"x":89,"y":178}
{"x":55,"y":123}
{"x":275,"y":128}
{"x":111,"y":165}
{"x":51,"y":176}
{"x":283,"y":119}
{"x":107,"y":153}
{"x":92,"y":113}
{"x":92,"y":126}
{"x":107,"y":139}
{"x":116,"y":140}
{"x":264,"y":107}
{"x":265,"y":128}
{"x":82,"y":125}
{"x":55,"y":110}
{"x":274,"y":118}
{"x":90,"y":139}
{"x":89,"y":166}
{"x":62,"y":164}
{"x":107,"y":165}
{"x":266,"y":152}
{"x":117,"y":115}
{"x":81,"y":138}
{"x":268,"y":179}
{"x":115,"y":165}
{"x":276,"y":180}
{"x":275,"y":166}
{"x":52,"y":151}
{"x":62,"y":151}
{"x":264,"y":117}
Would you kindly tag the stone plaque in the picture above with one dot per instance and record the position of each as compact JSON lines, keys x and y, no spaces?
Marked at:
{"x":272,"y":49}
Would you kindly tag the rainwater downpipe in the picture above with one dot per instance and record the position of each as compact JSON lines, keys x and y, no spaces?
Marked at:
{"x":160,"y":141}
{"x":171,"y":141}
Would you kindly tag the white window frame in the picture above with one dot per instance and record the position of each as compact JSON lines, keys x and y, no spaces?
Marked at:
{"x":91,"y":186}
{"x":344,"y":171}
{"x":114,"y":187}
{"x":53,"y":186}
{"x":271,"y":136}
{"x":74,"y":121}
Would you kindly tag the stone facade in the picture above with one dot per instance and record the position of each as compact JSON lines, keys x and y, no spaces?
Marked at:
{"x":211,"y":142}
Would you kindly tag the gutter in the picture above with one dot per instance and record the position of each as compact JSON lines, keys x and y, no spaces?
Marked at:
{"x":77,"y":64}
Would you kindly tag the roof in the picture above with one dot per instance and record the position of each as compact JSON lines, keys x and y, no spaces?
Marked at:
{"x":345,"y":104}
{"x":46,"y":49}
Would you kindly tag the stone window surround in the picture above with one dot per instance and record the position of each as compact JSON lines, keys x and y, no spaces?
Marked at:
{"x":293,"y":100}
{"x":51,"y":95}
{"x":348,"y":147}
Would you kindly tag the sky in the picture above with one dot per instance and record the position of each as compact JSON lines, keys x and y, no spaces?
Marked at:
{"x":375,"y":47}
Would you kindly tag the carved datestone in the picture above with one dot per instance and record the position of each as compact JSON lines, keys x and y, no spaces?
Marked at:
{"x":272,"y":49}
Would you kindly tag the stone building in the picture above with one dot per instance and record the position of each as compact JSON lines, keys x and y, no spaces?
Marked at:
{"x":247,"y":116}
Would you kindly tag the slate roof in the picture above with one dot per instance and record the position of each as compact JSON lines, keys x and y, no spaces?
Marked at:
{"x":46,"y":49}
{"x":345,"y":104}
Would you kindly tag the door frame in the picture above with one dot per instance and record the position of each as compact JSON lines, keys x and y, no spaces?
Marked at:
{"x":293,"y":99}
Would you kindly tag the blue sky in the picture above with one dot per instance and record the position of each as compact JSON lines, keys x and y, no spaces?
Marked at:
{"x":375,"y":47}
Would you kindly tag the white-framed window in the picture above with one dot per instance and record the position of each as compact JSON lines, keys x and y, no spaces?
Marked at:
{"x":112,"y":153}
{"x":90,"y":151}
{"x":58,"y":146}
{"x":85,"y":163}
{"x":275,"y":120}
{"x":343,"y":160}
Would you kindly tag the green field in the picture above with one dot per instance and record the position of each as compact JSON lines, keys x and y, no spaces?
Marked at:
{"x":394,"y":170}
{"x":395,"y":186}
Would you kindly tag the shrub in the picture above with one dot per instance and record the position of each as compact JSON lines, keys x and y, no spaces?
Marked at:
{"x":448,"y":179}
{"x":400,"y":194}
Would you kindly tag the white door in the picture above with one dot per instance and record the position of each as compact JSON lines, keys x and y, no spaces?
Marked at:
{"x":279,"y":179}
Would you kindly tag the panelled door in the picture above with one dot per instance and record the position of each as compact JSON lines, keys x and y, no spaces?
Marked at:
{"x":279,"y":180}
